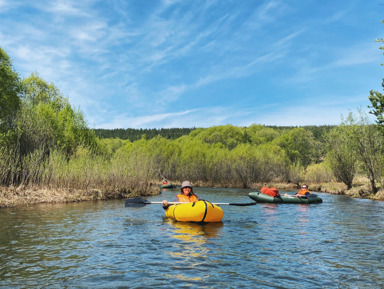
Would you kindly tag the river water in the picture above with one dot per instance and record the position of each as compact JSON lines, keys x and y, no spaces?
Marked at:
{"x":336,"y":244}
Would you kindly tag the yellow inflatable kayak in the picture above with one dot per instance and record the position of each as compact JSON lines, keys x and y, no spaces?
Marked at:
{"x":201,"y":211}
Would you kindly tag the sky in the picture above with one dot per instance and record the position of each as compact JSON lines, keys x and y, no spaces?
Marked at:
{"x":195,"y":63}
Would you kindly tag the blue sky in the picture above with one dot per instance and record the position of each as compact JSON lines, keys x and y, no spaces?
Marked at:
{"x":194,"y":63}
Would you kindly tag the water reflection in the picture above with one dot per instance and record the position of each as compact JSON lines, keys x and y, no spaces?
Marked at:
{"x":190,"y":247}
{"x":194,"y":232}
{"x":164,"y":190}
{"x":269,"y":210}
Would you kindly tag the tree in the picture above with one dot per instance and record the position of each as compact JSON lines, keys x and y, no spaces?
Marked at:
{"x":377,"y":99}
{"x":260,"y":134}
{"x":193,"y":159}
{"x":382,"y":41}
{"x":341,"y":154}
{"x":37,"y":90}
{"x":9,"y":93}
{"x":228,"y":135}
{"x":377,"y":104}
{"x":368,"y":144}
{"x":47,"y":119}
{"x":299,"y":145}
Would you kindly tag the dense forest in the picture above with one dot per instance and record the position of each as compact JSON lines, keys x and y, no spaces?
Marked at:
{"x":173,"y":133}
{"x":136,"y":134}
{"x":45,"y":143}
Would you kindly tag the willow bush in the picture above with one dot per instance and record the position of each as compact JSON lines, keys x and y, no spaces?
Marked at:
{"x":127,"y":171}
{"x":9,"y":160}
{"x":341,"y":155}
{"x":219,"y":166}
{"x":245,"y":165}
{"x":274,"y":163}
{"x":295,"y":173}
{"x":193,"y":160}
{"x":214,"y":163}
{"x":32,"y":167}
{"x":259,"y":134}
{"x":318,"y":173}
{"x":133,"y":167}
{"x":56,"y":170}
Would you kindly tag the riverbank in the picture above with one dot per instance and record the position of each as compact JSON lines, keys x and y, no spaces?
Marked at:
{"x":12,"y":196}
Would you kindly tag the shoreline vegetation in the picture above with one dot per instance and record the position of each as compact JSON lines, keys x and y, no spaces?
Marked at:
{"x":12,"y":196}
{"x":48,"y":153}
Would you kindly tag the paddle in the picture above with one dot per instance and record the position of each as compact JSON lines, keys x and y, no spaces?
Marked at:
{"x":139,"y":202}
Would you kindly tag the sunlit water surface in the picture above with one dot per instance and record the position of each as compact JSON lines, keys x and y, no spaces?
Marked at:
{"x":336,"y":244}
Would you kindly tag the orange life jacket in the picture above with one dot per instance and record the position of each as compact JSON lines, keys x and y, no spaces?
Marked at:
{"x":187,"y":199}
{"x":303,"y":192}
{"x":165,"y":183}
{"x":273,"y":192}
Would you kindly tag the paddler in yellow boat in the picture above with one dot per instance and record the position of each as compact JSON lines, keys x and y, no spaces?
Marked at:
{"x":187,"y":195}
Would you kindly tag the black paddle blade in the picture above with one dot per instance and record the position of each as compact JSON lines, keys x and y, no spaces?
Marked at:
{"x":136,"y":202}
{"x":242,"y":204}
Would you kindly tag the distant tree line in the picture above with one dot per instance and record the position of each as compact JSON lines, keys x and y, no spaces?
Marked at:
{"x":173,"y":133}
{"x":136,"y":134}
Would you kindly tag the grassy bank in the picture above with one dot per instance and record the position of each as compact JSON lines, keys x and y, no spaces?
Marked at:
{"x":11,"y":196}
{"x":22,"y":196}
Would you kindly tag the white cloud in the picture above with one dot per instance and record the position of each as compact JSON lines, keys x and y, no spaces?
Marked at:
{"x":141,"y":62}
{"x":155,"y":121}
{"x":361,"y":53}
{"x":66,"y":7}
{"x":6,"y":5}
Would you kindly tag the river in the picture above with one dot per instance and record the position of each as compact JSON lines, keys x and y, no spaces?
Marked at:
{"x":336,"y":244}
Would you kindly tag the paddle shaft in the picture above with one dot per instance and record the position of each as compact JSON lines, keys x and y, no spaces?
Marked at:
{"x":229,"y":204}
{"x":141,"y":201}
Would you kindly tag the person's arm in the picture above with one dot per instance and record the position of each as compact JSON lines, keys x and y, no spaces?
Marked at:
{"x":166,"y":205}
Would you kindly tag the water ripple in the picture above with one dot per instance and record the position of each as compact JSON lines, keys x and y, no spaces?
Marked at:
{"x":336,"y":244}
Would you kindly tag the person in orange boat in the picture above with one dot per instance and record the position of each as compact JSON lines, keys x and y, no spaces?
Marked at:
{"x":187,"y":195}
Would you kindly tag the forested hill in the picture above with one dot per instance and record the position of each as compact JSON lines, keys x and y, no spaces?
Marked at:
{"x":136,"y":134}
{"x":318,"y":131}
{"x":174,"y":133}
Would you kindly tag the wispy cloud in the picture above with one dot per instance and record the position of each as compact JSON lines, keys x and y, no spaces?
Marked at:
{"x":157,"y":120}
{"x":6,"y":5}
{"x":362,"y":53}
{"x":357,"y":55}
{"x":127,"y":63}
{"x":235,"y":68}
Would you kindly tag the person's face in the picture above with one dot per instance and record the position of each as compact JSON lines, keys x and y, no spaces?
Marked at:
{"x":186,"y":190}
{"x":304,"y":187}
